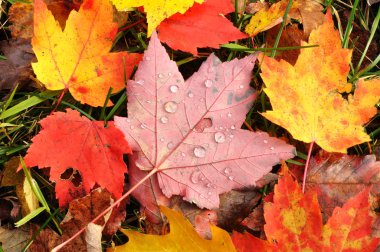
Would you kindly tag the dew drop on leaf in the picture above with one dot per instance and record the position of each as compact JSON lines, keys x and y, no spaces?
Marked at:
{"x":170,"y":107}
{"x":190,"y":94}
{"x":208,"y":83}
{"x":194,"y":177}
{"x":140,"y":82}
{"x":220,"y":137}
{"x":170,"y":145}
{"x":231,"y":178}
{"x":164,"y":119}
{"x":160,"y":75}
{"x":199,"y":152}
{"x":265,"y":141}
{"x":132,"y":127}
{"x":241,"y":86}
{"x":232,"y":127}
{"x":228,"y":170}
{"x":170,"y":74}
{"x":147,"y":58}
{"x":174,"y":88}
{"x":209,"y":193}
{"x":183,"y":154}
{"x":229,"y":114}
{"x":208,"y":185}
{"x":271,"y":148}
{"x":161,"y":139}
{"x":202,"y":196}
{"x":143,"y":126}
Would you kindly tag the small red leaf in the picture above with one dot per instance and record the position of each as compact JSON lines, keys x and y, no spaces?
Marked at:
{"x":203,"y":25}
{"x":72,"y":145}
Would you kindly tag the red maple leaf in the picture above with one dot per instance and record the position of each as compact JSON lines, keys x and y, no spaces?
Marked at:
{"x":189,"y":132}
{"x":72,"y":145}
{"x":201,"y":26}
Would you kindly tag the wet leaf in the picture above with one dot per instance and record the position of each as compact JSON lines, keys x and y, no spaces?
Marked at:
{"x":190,"y":131}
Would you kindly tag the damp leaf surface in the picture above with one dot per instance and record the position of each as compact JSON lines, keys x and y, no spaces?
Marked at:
{"x":189,"y":131}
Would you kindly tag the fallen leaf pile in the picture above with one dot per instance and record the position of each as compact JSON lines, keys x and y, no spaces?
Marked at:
{"x":203,"y":160}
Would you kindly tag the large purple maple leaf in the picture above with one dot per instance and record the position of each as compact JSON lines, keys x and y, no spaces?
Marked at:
{"x":189,"y":131}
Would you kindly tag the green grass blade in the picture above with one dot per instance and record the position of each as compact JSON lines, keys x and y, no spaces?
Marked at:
{"x":30,"y":216}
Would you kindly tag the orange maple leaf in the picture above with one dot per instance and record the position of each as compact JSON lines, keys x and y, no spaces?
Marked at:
{"x":78,"y":59}
{"x":305,"y":97}
{"x":294,"y":223}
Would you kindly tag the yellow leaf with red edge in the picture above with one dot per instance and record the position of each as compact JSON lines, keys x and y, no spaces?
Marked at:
{"x":305,"y":97}
{"x":156,"y":10}
{"x":294,"y":223}
{"x":78,"y":59}
{"x":182,"y":237}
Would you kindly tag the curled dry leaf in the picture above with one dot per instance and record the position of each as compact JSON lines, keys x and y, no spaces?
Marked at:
{"x":80,"y":154}
{"x":189,"y":132}
{"x":321,"y":114}
{"x":157,"y":10}
{"x":78,"y":59}
{"x":186,"y":32}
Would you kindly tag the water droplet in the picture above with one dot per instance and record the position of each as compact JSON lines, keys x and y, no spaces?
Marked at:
{"x":140,"y":82}
{"x":128,"y":120}
{"x":170,"y":145}
{"x":201,"y":196}
{"x":147,"y":58}
{"x":265,"y":141}
{"x":199,"y":152}
{"x":164,"y":119}
{"x":219,"y":137}
{"x":160,"y":75}
{"x":170,"y":107}
{"x":208,"y":185}
{"x":231,"y":136}
{"x":161,"y":139}
{"x":202,"y":177}
{"x":174,"y":88}
{"x":241,"y":86}
{"x":183,"y":154}
{"x":271,"y":148}
{"x":190,"y":94}
{"x":231,"y":178}
{"x":208,"y":83}
{"x":220,"y":127}
{"x":233,"y":127}
{"x":148,"y":101}
{"x":194,"y":177}
{"x":229,"y":114}
{"x":170,"y":74}
{"x":143,"y":126}
{"x":228,"y":170}
{"x":209,"y":193}
{"x":132,"y":127}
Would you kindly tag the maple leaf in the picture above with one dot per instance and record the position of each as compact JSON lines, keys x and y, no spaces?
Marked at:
{"x":70,"y":144}
{"x":189,"y":131}
{"x":182,"y":236}
{"x":156,"y":10}
{"x":337,"y":177}
{"x":186,"y":32}
{"x":78,"y":59}
{"x":294,"y":223}
{"x":305,"y":98}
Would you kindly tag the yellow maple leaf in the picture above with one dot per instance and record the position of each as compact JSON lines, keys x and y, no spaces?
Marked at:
{"x":78,"y":59}
{"x":182,"y":237}
{"x":265,"y":19}
{"x":156,"y":10}
{"x":305,"y":98}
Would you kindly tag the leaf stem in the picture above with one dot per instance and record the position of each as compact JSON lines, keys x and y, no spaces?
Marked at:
{"x":151,"y":173}
{"x":59,"y":100}
{"x":307,"y":166}
{"x":131,"y":25}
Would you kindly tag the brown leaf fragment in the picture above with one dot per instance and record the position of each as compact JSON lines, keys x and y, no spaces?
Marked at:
{"x":81,"y":212}
{"x":13,"y":240}
{"x":16,"y":68}
{"x":309,"y":13}
{"x":21,"y":17}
